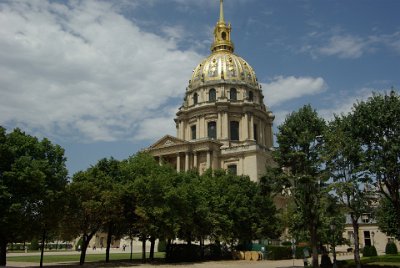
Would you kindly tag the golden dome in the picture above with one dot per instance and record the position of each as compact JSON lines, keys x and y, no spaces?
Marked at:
{"x":222,"y":65}
{"x":226,"y":66}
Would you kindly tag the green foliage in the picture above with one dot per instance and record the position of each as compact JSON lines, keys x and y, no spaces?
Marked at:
{"x":183,"y":253}
{"x":279,"y":253}
{"x":378,"y":128}
{"x":386,"y":218}
{"x":391,"y":248}
{"x":162,"y":246}
{"x":33,"y":178}
{"x":299,"y":155}
{"x":369,"y":251}
{"x":34,"y":244}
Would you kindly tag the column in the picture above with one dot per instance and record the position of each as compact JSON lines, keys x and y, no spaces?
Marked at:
{"x":208,"y":159}
{"x":198,"y":128}
{"x":246,"y":127}
{"x":219,"y":126}
{"x":178,"y":162}
{"x":160,"y":160}
{"x":252,"y":127}
{"x":195,"y":159}
{"x":186,"y":161}
{"x":226,"y":126}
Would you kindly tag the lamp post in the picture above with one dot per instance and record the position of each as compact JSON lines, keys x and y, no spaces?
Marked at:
{"x":333,"y":229}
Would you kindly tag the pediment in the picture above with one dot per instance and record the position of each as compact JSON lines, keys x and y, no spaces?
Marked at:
{"x":167,"y":141}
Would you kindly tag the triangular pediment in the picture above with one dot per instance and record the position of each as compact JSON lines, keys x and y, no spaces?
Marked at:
{"x":167,"y":141}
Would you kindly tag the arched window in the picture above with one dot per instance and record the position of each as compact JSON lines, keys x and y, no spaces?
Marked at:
{"x":233,"y":94}
{"x":212,"y":129}
{"x":251,"y":96}
{"x":195,"y":98}
{"x":234,"y":129}
{"x":212,"y":95}
{"x":223,"y":35}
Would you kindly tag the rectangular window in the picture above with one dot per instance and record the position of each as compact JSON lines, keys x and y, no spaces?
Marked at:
{"x":212,"y":130}
{"x":193,"y":131}
{"x":255,"y":132}
{"x":232,"y":169}
{"x":234,"y":127}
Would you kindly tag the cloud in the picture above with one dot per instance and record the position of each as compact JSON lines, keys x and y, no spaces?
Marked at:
{"x":83,"y":69}
{"x":344,"y":46}
{"x":281,"y":89}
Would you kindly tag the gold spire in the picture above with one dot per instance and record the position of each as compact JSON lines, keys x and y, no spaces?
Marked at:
{"x":221,"y":11}
{"x":222,"y":33}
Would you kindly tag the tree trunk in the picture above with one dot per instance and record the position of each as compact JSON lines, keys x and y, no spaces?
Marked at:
{"x":131,"y":257}
{"x":314,"y":247}
{"x":3,"y":252}
{"x":144,"y":249}
{"x":42,"y":247}
{"x":85,"y":243}
{"x":202,"y":247}
{"x":168,"y":249}
{"x":357,"y":260}
{"x":109,"y":237}
{"x":152,"y":244}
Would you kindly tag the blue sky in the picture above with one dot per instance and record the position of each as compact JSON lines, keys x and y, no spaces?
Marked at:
{"x":105,"y":78}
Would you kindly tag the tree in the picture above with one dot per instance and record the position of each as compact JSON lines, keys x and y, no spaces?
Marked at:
{"x":378,"y":127}
{"x":32,"y":180}
{"x":385,"y":215}
{"x":344,"y":156}
{"x":299,"y":153}
{"x":86,"y":209}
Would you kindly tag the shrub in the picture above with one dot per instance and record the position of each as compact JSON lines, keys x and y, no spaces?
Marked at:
{"x":369,"y":251}
{"x":162,"y":246}
{"x":391,"y":248}
{"x":34,"y":244}
{"x":183,"y":253}
{"x":286,"y":243}
{"x":279,"y":253}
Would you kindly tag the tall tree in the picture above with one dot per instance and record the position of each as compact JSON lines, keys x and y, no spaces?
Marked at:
{"x":33,"y":177}
{"x":86,"y":209}
{"x":344,"y":156}
{"x":378,"y":127}
{"x":299,"y":154}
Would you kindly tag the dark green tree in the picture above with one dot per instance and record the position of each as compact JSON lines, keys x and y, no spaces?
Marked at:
{"x":86,"y":208}
{"x":345,"y":157}
{"x":386,"y":218}
{"x":33,"y":177}
{"x":378,"y":127}
{"x":299,"y":154}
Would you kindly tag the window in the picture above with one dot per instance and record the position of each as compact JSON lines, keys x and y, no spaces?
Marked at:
{"x":223,"y":35}
{"x":251,"y":96}
{"x":255,"y":132}
{"x":232,"y":169}
{"x":234,"y":126}
{"x":195,"y":98}
{"x":212,"y":130}
{"x":367,"y":238}
{"x":212,"y":95}
{"x":193,"y":131}
{"x":233,"y":94}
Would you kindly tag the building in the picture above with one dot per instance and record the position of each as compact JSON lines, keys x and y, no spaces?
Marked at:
{"x":369,"y":234}
{"x":223,"y":121}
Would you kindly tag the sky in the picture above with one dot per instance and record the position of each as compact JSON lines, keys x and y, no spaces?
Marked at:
{"x":105,"y":78}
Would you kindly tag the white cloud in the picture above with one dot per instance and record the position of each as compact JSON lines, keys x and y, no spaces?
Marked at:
{"x":282,"y":89}
{"x":344,"y":46}
{"x":83,"y":68}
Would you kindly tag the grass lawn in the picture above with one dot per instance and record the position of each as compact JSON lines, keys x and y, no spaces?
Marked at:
{"x":75,"y":258}
{"x":383,"y":260}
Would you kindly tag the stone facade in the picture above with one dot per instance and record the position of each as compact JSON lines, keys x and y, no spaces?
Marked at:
{"x":223,"y":121}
